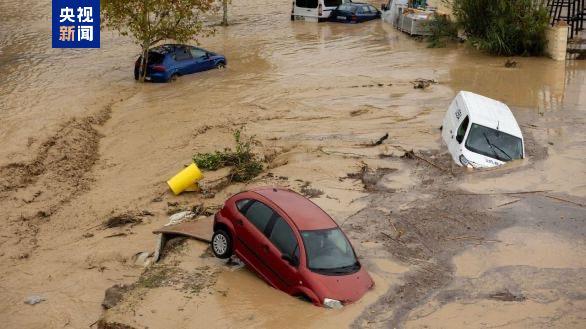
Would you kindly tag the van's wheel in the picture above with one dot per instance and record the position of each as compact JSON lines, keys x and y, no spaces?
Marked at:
{"x":221,"y":244}
{"x":221,"y":65}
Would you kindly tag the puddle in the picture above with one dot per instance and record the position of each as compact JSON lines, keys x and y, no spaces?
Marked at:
{"x":389,"y":267}
{"x":239,"y":300}
{"x":521,"y":246}
{"x":491,"y":314}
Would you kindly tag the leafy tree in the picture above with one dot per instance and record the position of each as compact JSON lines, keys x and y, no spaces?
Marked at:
{"x":504,"y":27}
{"x":152,"y":21}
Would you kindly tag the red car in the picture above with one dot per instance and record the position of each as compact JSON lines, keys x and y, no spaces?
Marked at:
{"x":292,"y":244}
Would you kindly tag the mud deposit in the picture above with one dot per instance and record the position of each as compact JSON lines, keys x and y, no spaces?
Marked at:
{"x":85,"y":154}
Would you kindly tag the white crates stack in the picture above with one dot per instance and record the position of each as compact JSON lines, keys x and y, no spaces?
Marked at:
{"x":411,"y":23}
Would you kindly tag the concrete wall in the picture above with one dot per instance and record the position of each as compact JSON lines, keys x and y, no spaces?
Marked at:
{"x":557,"y":42}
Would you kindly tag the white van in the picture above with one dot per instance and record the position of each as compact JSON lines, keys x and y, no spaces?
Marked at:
{"x":481,"y":132}
{"x":314,"y":10}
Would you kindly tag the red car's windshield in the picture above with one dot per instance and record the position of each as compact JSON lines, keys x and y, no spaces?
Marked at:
{"x":329,"y":252}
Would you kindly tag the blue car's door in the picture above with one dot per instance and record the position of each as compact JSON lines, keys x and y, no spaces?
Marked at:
{"x":184,"y":61}
{"x":202,"y":60}
{"x":374,"y":13}
{"x":363,"y":13}
{"x":343,"y":13}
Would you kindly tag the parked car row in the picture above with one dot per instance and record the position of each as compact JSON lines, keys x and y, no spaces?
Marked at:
{"x":169,"y":61}
{"x":354,"y":13}
{"x":344,"y":11}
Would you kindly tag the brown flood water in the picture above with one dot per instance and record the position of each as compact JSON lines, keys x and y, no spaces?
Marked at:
{"x":313,"y":93}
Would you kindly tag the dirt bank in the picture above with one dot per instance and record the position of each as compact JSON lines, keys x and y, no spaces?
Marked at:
{"x":31,"y":192}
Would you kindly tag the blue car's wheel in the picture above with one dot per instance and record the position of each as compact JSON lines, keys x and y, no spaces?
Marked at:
{"x":173,"y":77}
{"x":220,"y":65}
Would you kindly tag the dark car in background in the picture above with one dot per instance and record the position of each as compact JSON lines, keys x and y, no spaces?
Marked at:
{"x":292,"y":244}
{"x":167,"y":62}
{"x":354,"y":12}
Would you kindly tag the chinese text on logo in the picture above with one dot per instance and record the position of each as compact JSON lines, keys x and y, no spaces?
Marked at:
{"x":76,"y":24}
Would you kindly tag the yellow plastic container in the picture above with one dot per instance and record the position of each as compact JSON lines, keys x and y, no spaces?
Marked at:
{"x":186,"y":179}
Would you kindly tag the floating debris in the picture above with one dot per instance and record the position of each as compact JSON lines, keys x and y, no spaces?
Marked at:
{"x":422,"y":83}
{"x":34,"y":299}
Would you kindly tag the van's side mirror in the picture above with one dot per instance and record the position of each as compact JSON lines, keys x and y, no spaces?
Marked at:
{"x":384,"y":7}
{"x":292,"y":260}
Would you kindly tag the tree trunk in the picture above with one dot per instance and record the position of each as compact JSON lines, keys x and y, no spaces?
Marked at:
{"x":144,"y":62}
{"x":225,"y":8}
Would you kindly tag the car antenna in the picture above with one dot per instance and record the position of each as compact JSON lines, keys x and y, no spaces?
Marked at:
{"x":498,"y":123}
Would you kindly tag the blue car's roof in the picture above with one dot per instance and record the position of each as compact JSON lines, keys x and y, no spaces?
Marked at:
{"x":354,"y":4}
{"x":168,"y":48}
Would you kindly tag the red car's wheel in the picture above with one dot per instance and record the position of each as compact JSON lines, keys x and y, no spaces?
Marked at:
{"x":221,"y":244}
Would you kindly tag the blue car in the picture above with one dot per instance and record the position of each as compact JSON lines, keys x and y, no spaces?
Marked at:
{"x":354,"y":12}
{"x":167,"y":62}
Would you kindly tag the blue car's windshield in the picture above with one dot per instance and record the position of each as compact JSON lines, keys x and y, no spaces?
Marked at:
{"x":332,"y":3}
{"x":329,"y":252}
{"x":493,"y":143}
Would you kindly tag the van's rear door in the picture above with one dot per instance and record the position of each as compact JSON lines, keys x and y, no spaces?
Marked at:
{"x":305,"y":9}
{"x":451,"y":121}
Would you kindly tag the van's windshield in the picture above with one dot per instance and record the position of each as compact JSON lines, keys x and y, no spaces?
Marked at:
{"x":493,"y":143}
{"x":329,"y":252}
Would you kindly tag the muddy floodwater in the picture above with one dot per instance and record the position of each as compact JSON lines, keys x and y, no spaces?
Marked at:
{"x":81,"y":141}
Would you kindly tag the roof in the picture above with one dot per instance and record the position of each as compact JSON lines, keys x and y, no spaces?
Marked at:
{"x":490,"y":113}
{"x":168,"y":47}
{"x":305,"y":214}
{"x":355,"y":4}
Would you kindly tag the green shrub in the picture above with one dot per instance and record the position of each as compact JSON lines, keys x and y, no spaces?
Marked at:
{"x":504,"y":27}
{"x":443,"y":30}
{"x":245,"y":164}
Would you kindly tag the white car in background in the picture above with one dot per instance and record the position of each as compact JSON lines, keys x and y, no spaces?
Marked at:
{"x":314,"y":10}
{"x":481,"y":132}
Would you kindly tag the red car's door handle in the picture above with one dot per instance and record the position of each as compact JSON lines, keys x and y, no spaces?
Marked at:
{"x":265,"y":248}
{"x":240,"y":222}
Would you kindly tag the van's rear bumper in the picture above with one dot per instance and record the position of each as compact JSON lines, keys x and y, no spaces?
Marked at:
{"x":309,"y":18}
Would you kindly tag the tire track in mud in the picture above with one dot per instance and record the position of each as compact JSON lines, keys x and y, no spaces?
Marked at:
{"x":425,"y":237}
{"x":30,"y":192}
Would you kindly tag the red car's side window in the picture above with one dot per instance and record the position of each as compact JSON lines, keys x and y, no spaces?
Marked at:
{"x":258,"y":214}
{"x":243,"y":204}
{"x":275,"y":228}
{"x":283,"y":238}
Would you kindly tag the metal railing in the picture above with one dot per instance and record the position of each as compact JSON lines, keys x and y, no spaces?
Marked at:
{"x":573,"y":12}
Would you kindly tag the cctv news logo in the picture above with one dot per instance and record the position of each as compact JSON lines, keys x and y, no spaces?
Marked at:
{"x":76,"y":24}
